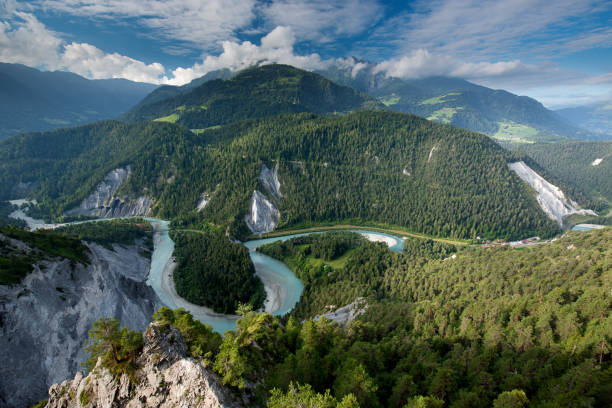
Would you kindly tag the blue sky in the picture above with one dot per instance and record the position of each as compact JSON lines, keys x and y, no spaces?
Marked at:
{"x":559,"y":52}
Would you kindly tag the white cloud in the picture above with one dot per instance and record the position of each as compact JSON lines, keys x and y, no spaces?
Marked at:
{"x":25,"y":40}
{"x":91,"y":62}
{"x":276,"y":47}
{"x":421,"y":63}
{"x":200,"y":23}
{"x":323,"y":20}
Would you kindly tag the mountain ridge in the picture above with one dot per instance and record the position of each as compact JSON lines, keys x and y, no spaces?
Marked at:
{"x":33,"y":100}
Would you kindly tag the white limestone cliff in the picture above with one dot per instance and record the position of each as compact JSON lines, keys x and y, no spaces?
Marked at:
{"x":550,"y":197}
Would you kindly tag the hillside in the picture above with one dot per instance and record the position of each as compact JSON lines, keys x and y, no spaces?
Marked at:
{"x":252,"y":93}
{"x":487,"y":327}
{"x":32,"y":100}
{"x":283,"y":172}
{"x":498,"y":113}
{"x":585,"y":165}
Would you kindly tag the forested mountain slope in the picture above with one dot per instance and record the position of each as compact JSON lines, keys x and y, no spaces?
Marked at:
{"x":31,"y":100}
{"x":585,"y":165}
{"x":488,"y":327}
{"x":463,"y":330}
{"x":252,"y":93}
{"x":380,"y":167}
{"x":498,"y":113}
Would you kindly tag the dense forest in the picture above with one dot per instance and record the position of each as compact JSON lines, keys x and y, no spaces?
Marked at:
{"x":366,"y":167}
{"x":253,"y":93}
{"x":314,"y":256}
{"x":211,"y":271}
{"x":495,"y":327}
{"x":106,"y":233}
{"x":384,"y":167}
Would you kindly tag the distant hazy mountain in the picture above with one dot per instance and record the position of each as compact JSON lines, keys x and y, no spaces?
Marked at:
{"x":252,"y":93}
{"x":596,"y":118}
{"x":498,"y":113}
{"x":32,"y":100}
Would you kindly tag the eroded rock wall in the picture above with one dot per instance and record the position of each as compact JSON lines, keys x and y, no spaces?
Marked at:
{"x":44,"y":321}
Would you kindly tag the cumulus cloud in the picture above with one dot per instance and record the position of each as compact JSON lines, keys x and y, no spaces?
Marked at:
{"x":275,"y":47}
{"x":421,"y":63}
{"x":25,"y":40}
{"x":91,"y":62}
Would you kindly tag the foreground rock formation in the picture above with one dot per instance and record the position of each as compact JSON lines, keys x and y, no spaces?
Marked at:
{"x":44,"y":321}
{"x":166,"y":377}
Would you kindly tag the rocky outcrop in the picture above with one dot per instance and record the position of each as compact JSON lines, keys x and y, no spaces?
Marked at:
{"x":103,"y":202}
{"x":263,"y":215}
{"x":44,"y":321}
{"x":347,"y":313}
{"x":166,"y":377}
{"x":203,"y":202}
{"x":550,"y":197}
{"x":270,"y":181}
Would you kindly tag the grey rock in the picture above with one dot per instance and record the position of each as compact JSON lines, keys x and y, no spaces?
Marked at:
{"x":263,"y":215}
{"x":166,"y":377}
{"x":270,"y":181}
{"x":44,"y":321}
{"x":104,"y":203}
{"x":347,"y":313}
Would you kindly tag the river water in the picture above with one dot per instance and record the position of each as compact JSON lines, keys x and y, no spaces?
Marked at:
{"x":283,"y":288}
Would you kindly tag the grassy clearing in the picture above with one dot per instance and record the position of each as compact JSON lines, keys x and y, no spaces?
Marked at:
{"x":438,"y":99}
{"x":170,"y":118}
{"x":390,"y":100}
{"x":515,"y":132}
{"x":444,"y":115}
{"x":200,"y":131}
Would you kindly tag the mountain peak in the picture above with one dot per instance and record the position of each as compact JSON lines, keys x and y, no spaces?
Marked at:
{"x":255,"y":92}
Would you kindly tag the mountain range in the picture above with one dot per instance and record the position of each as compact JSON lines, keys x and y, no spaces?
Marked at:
{"x":33,"y":100}
{"x":498,"y":113}
{"x":280,"y":171}
{"x":274,"y":149}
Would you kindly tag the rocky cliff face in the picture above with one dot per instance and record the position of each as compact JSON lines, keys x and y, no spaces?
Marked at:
{"x":104,"y":203}
{"x":166,"y":377}
{"x":44,"y":321}
{"x":550,"y":197}
{"x":269,"y":179}
{"x":263,"y":216}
